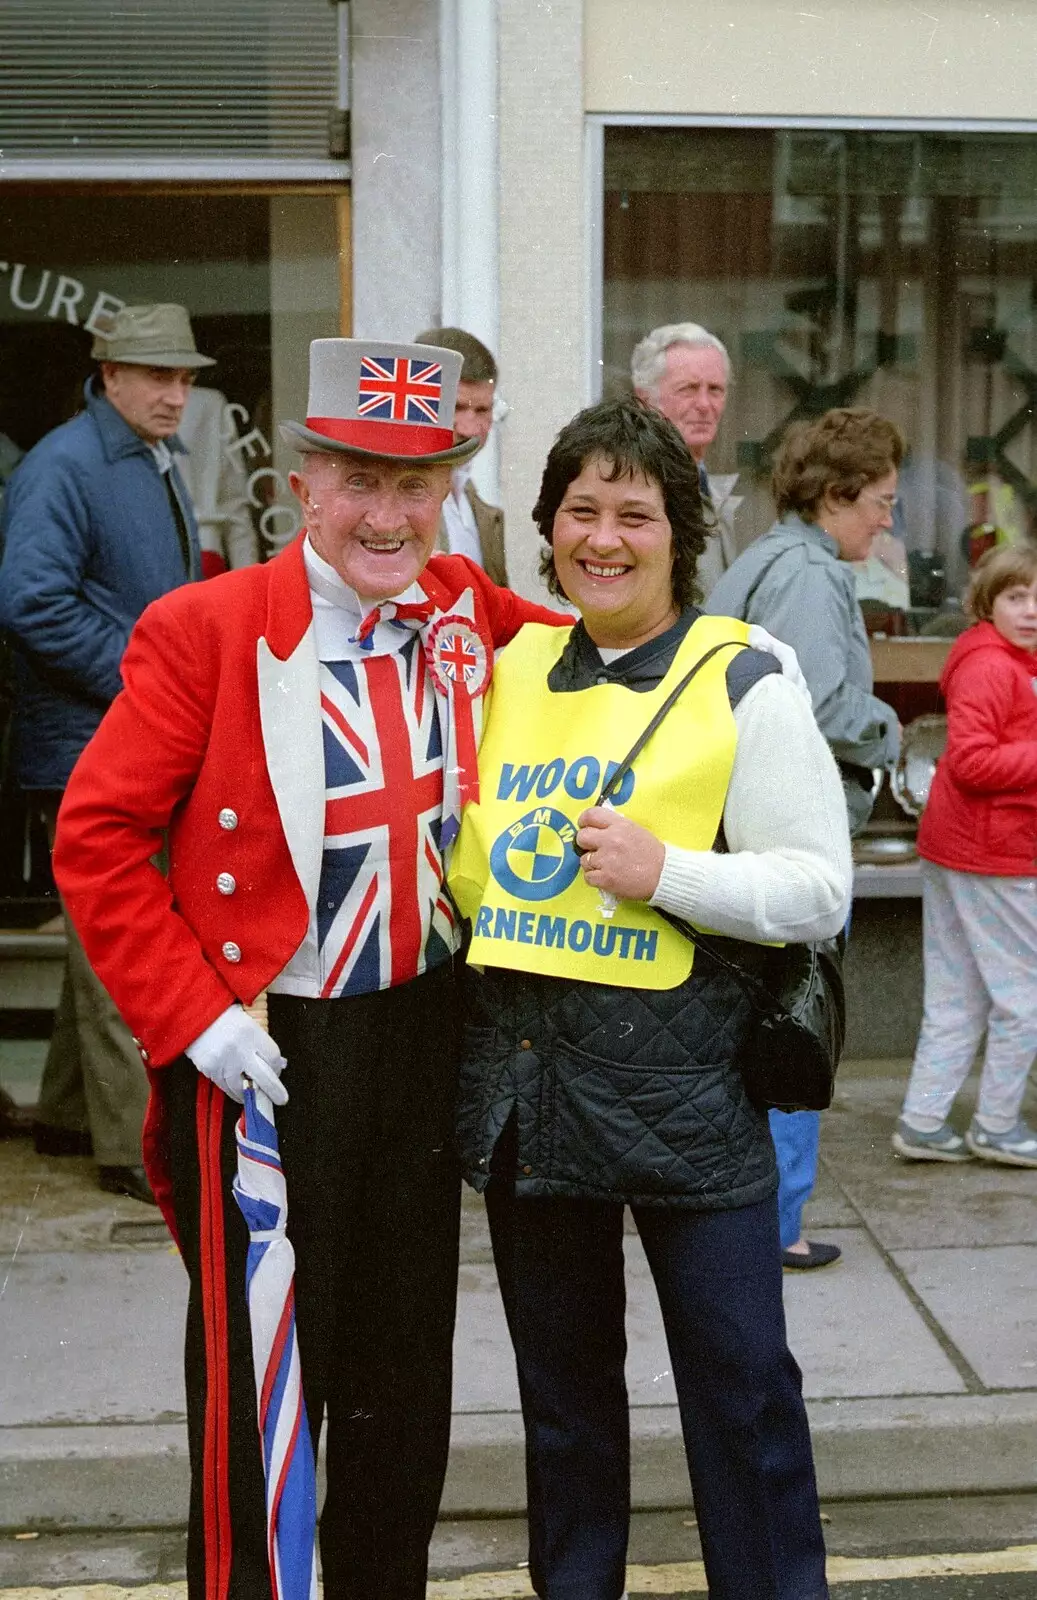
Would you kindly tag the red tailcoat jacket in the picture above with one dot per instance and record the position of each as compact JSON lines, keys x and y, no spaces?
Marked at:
{"x":981,"y":815}
{"x":216,"y":738}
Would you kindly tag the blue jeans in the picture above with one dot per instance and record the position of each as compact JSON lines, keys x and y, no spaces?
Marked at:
{"x":796,"y":1136}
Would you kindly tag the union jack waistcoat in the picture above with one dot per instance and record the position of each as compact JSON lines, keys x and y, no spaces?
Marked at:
{"x":383,"y":913}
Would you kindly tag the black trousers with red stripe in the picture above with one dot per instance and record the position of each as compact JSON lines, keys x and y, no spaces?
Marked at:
{"x":373,"y":1202}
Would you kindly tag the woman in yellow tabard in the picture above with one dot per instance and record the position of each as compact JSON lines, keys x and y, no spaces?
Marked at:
{"x":599,"y":1066}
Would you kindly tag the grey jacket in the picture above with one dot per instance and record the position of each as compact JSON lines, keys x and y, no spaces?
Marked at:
{"x":721,"y":547}
{"x":793,"y":583}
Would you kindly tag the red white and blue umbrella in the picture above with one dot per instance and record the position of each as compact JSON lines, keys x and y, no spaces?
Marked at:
{"x":288,"y":1457}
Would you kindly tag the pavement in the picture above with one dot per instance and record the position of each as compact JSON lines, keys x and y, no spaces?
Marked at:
{"x":918,"y":1350}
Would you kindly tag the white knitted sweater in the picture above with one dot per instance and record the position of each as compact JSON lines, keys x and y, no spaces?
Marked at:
{"x":788,"y":875}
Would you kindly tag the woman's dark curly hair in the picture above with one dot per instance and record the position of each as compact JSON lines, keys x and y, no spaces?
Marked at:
{"x":839,"y":453}
{"x":633,"y":439}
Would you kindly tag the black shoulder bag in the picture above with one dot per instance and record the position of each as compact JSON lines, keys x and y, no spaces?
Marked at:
{"x":795,"y":1038}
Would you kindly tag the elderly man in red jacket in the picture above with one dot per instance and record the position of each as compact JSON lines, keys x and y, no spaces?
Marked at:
{"x":305,"y":733}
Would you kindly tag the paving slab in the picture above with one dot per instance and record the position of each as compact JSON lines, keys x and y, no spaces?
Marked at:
{"x":50,"y":1203}
{"x":484,"y":1373}
{"x":93,"y":1338}
{"x":915,"y":1349}
{"x":995,"y":1324}
{"x":828,"y":1206}
{"x":925,"y":1204}
{"x":855,"y":1332}
{"x":928,"y":1205}
{"x":852,"y":1328}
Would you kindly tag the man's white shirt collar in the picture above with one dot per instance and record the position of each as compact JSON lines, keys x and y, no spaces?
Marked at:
{"x":459,"y":480}
{"x":338,"y":612}
{"x":462,"y":530}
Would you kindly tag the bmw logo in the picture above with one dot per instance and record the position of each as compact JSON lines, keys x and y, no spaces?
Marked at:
{"x":534,"y":858}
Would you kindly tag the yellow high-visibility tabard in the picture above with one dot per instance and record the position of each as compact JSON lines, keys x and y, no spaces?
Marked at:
{"x":542,"y":762}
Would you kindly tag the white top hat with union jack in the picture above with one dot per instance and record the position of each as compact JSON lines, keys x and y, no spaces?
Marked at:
{"x":391,"y":401}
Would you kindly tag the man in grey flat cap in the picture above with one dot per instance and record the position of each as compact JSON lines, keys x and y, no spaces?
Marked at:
{"x":96,"y":524}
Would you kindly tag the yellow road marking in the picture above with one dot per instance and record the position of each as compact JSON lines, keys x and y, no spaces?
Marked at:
{"x":1017,"y":1558}
{"x":101,"y":1591}
{"x":688,"y":1577}
{"x":678,"y":1577}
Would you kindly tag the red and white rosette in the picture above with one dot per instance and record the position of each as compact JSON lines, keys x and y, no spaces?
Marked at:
{"x":460,"y":662}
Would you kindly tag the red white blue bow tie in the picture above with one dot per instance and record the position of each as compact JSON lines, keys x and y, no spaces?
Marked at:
{"x":407,"y":614}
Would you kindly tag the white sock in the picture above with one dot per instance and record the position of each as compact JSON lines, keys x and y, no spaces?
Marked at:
{"x":994,"y":1125}
{"x":920,"y":1124}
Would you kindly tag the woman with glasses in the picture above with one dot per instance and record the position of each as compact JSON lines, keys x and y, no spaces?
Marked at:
{"x":834,"y":486}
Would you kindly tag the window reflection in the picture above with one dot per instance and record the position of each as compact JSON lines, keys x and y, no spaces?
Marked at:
{"x":895,"y":270}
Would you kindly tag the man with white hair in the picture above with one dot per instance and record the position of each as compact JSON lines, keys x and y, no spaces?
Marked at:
{"x":305,"y":732}
{"x":684,"y":371}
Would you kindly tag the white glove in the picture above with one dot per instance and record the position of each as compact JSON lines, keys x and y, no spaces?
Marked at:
{"x":235,"y":1047}
{"x":760,"y":639}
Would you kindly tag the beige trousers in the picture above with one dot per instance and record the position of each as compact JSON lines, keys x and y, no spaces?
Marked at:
{"x":93,"y":1077}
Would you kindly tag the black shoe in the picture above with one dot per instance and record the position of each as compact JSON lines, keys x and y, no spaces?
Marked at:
{"x":14,"y":1122}
{"x":819,"y":1255}
{"x":127,"y":1180}
{"x":51,"y":1141}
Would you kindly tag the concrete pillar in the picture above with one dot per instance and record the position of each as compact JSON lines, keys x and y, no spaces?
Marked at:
{"x":304,"y":293}
{"x":471,"y":190}
{"x":396,"y":163}
{"x":543,"y":268}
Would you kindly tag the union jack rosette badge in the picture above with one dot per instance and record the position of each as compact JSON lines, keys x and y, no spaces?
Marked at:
{"x":457,"y":657}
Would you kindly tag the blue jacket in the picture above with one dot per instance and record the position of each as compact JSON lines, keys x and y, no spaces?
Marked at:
{"x":88,"y":540}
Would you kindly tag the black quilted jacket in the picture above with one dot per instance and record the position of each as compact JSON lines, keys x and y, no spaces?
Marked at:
{"x":617,"y":1094}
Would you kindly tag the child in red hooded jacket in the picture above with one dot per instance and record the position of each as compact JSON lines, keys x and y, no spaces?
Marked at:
{"x":978,"y":843}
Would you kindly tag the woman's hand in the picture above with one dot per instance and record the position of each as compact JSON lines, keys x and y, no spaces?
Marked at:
{"x":621,"y":857}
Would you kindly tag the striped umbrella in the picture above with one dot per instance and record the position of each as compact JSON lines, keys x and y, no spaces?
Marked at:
{"x":288,"y":1457}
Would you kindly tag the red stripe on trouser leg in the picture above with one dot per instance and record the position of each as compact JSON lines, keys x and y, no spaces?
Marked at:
{"x":220,"y":1303}
{"x":216,"y":1493}
{"x":205,"y":1271}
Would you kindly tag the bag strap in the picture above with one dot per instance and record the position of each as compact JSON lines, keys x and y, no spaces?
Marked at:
{"x":757,"y":991}
{"x":754,"y":987}
{"x":612,"y":784}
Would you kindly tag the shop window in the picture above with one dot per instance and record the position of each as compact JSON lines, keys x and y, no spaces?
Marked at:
{"x":888,"y":269}
{"x":260,"y":276}
{"x":258,"y":273}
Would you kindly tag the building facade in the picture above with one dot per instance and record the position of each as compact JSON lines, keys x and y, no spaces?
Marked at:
{"x":845,"y":193}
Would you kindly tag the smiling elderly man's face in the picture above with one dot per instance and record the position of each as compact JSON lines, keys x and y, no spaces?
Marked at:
{"x":375,"y":522}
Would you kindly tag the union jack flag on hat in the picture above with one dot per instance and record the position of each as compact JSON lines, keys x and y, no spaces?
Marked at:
{"x":397,"y":389}
{"x":392,"y":401}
